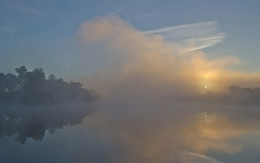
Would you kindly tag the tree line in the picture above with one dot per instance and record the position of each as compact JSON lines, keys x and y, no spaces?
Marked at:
{"x":32,"y":87}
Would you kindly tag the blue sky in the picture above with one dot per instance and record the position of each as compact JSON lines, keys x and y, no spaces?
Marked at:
{"x":39,"y":33}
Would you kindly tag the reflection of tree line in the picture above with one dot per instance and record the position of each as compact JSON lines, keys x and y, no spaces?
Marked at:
{"x":30,"y":104}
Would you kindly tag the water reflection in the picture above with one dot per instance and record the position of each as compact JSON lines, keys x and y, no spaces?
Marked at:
{"x":33,"y":121}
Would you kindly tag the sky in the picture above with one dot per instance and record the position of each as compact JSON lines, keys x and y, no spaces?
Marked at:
{"x":42,"y":32}
{"x":172,"y":81}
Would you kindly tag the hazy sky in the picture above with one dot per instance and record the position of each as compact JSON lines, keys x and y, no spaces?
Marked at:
{"x":41,"y":33}
{"x":162,"y":72}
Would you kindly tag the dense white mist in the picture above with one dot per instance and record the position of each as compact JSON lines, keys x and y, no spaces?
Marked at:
{"x":153,"y":100}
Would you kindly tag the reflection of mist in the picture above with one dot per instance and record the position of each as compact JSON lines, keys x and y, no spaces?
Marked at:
{"x":30,"y":104}
{"x":159,"y":128}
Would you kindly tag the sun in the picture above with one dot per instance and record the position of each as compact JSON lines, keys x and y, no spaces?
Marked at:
{"x":205,"y":89}
{"x":207,"y":80}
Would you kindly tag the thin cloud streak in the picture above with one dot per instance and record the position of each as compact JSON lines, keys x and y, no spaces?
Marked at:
{"x":28,"y":9}
{"x":144,"y":16}
{"x":177,"y":27}
{"x":8,"y":29}
{"x":18,"y":6}
{"x":199,"y":158}
{"x":198,"y":35}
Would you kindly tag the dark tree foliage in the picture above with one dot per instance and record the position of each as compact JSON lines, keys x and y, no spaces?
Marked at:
{"x":30,"y":103}
{"x":32,"y":87}
{"x":245,"y":96}
{"x":235,"y":96}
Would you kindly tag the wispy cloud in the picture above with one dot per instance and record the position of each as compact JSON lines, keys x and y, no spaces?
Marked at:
{"x":28,"y":9}
{"x":19,"y":13}
{"x":195,"y":36}
{"x":123,"y":8}
{"x":18,"y":6}
{"x":145,"y":15}
{"x":8,"y":29}
{"x":196,"y":157}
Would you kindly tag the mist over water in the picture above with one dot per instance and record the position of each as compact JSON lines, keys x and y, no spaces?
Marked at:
{"x":162,"y":106}
{"x":154,"y":105}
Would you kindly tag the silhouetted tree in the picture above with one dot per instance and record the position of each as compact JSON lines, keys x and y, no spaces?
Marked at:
{"x":32,"y":87}
{"x":30,"y":103}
